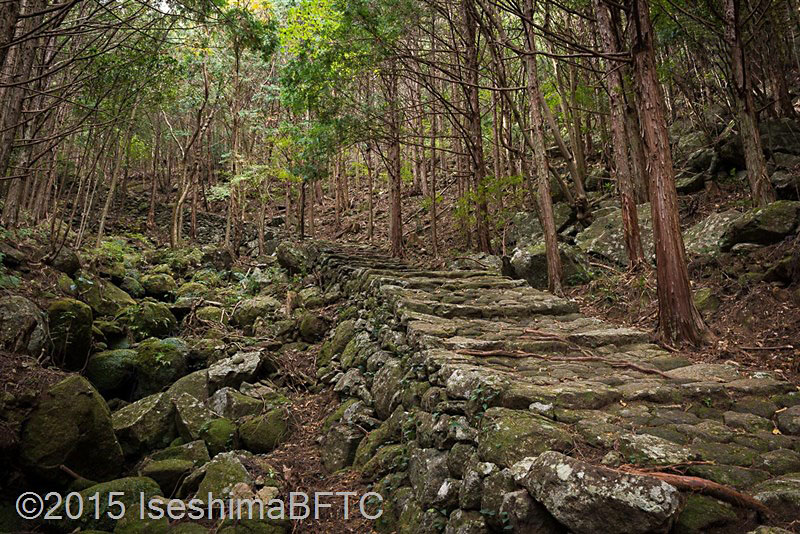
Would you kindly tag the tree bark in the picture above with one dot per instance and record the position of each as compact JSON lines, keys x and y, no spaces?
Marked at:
{"x":630,"y":218}
{"x":678,"y":318}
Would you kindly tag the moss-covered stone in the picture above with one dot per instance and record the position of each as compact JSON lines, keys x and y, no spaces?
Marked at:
{"x":336,"y":415}
{"x":764,"y":226}
{"x":507,"y":436}
{"x":102,"y":296}
{"x":71,"y":426}
{"x":263,"y":433}
{"x":701,"y":513}
{"x":158,"y":364}
{"x":388,"y":459}
{"x":159,"y":286}
{"x":148,"y":319}
{"x":168,"y":473}
{"x":111,"y":372}
{"x":212,"y":314}
{"x":195,"y":384}
{"x":387,"y":432}
{"x":192,"y":289}
{"x":146,"y":424}
{"x":341,"y":337}
{"x":127,"y":491}
{"x":23,"y":326}
{"x":71,"y":331}
{"x":249,"y":310}
{"x":252,"y":526}
{"x":312,"y":327}
{"x":221,"y":475}
{"x":191,"y":416}
{"x":219,"y":435}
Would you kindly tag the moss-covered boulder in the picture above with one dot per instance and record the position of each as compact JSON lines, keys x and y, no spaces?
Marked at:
{"x":249,"y":310}
{"x":295,"y":258}
{"x":168,"y":473}
{"x":193,"y":419}
{"x":71,"y":331}
{"x":605,"y":238}
{"x":102,"y":296}
{"x":23,"y":326}
{"x":158,"y":365}
{"x":149,"y":319}
{"x":313,"y":327}
{"x":212,"y":314}
{"x":71,"y":426}
{"x":764,"y":226}
{"x":192,"y":289}
{"x":262,"y":433}
{"x":112,"y":372}
{"x":159,"y":286}
{"x":145,"y":425}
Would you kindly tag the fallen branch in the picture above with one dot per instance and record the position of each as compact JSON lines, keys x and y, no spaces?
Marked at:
{"x":781,"y":347}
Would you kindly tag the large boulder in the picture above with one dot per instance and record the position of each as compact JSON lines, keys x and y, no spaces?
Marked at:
{"x":23,"y":326}
{"x":222,"y":474}
{"x":71,"y":331}
{"x":605,"y":237}
{"x":247,"y":311}
{"x":764,"y":226}
{"x":530,"y":264}
{"x":232,"y":404}
{"x":588,"y":498}
{"x":102,"y":296}
{"x":706,"y":237}
{"x":780,"y":135}
{"x":145,"y":425}
{"x":71,"y":426}
{"x":339,"y":446}
{"x":128,"y":491}
{"x":786,"y":184}
{"x":148,"y":319}
{"x":159,"y":363}
{"x":112,"y":372}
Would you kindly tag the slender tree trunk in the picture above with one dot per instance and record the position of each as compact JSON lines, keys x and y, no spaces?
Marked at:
{"x":475,"y":141}
{"x":630,"y":218}
{"x":760,"y":187}
{"x":678,"y":318}
{"x":541,"y":163}
{"x":394,"y":167}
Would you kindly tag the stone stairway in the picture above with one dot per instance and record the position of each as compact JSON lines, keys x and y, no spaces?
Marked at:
{"x":490,"y":406}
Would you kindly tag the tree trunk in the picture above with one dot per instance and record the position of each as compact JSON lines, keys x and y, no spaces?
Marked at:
{"x":475,"y":141}
{"x":678,"y":318}
{"x":540,"y":161}
{"x":394,"y":167}
{"x":760,"y":186}
{"x":630,"y":218}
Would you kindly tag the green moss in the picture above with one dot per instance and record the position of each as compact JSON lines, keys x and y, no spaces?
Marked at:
{"x":701,"y":513}
{"x":148,"y":319}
